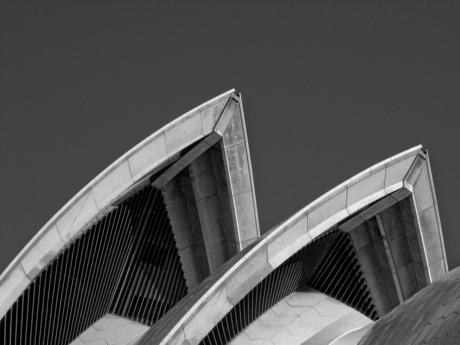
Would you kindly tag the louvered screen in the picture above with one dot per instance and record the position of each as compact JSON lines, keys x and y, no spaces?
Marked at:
{"x":126,"y":263}
{"x":327,"y":264}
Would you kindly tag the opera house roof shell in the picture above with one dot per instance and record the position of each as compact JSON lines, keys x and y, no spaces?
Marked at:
{"x":164,"y":247}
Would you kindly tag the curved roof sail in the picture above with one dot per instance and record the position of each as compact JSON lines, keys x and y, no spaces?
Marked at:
{"x":164,"y":247}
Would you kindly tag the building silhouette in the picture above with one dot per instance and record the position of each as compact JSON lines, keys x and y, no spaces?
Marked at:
{"x":164,"y":247}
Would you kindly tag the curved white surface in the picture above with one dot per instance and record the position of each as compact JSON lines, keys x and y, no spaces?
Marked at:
{"x":155,"y":152}
{"x":391,"y":178}
{"x":305,"y":317}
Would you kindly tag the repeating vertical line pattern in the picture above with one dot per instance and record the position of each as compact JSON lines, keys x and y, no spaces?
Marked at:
{"x":327,"y":264}
{"x":126,"y":263}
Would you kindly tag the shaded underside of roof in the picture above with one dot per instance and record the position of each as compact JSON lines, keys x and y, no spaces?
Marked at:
{"x":153,"y":243}
{"x":388,"y":213}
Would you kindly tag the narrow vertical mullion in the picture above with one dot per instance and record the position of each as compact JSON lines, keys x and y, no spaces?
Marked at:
{"x":87,"y":251}
{"x":51,"y":292}
{"x":42,"y":303}
{"x":133,"y":204}
{"x":62,"y":293}
{"x":112,"y":260}
{"x":336,"y":259}
{"x":96,"y":267}
{"x":146,"y":266}
{"x":81,"y":267}
{"x":122,"y":257}
{"x":55,"y":295}
{"x":99,"y":273}
{"x":132,"y":269}
{"x":325,"y":266}
{"x":147,"y":237}
{"x":158,"y":228}
{"x":130,"y":241}
{"x":70,"y":287}
{"x":94,"y":248}
{"x":173,"y":266}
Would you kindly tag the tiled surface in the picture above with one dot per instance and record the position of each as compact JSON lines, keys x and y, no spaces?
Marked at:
{"x":301,"y":316}
{"x":431,"y":316}
{"x":111,"y":330}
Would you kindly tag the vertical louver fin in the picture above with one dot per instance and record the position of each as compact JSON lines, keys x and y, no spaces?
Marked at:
{"x":126,"y":263}
{"x":327,"y":264}
{"x":152,"y":280}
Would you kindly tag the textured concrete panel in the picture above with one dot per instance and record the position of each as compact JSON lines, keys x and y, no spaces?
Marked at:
{"x":226,"y":116}
{"x":112,"y":184}
{"x":202,"y":164}
{"x":368,"y":259}
{"x":327,"y":210}
{"x":209,"y":211}
{"x":207,"y":316}
{"x":210,"y":115}
{"x":11,"y":288}
{"x":407,"y":281}
{"x":396,"y":172}
{"x":365,"y":188}
{"x":351,"y":223}
{"x":204,"y":184}
{"x":429,"y":223}
{"x":220,"y":170}
{"x":431,"y":238}
{"x":238,"y":165}
{"x":401,"y":253}
{"x":256,"y":266}
{"x":378,"y":207}
{"x":227,"y":218}
{"x":42,"y":253}
{"x":360,"y":236}
{"x":376,"y":283}
{"x":391,"y":287}
{"x":218,"y":254}
{"x":194,"y":216}
{"x":203,"y":259}
{"x":183,"y":134}
{"x":401,"y":194}
{"x":290,"y":234}
{"x":434,"y":250}
{"x":382,"y":255}
{"x":246,"y":216}
{"x":180,"y":223}
{"x":415,"y":170}
{"x":191,"y":266}
{"x":437,"y":269}
{"x":148,"y":156}
{"x":234,"y":133}
{"x":392,"y":223}
{"x":72,"y":221}
{"x":422,"y":191}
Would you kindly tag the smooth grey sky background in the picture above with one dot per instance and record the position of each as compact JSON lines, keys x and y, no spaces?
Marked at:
{"x":329,"y":89}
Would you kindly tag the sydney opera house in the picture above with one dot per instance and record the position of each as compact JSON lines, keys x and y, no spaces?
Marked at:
{"x":164,"y":247}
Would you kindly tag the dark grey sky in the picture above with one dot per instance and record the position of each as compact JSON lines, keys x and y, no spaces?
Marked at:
{"x":329,"y":88}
